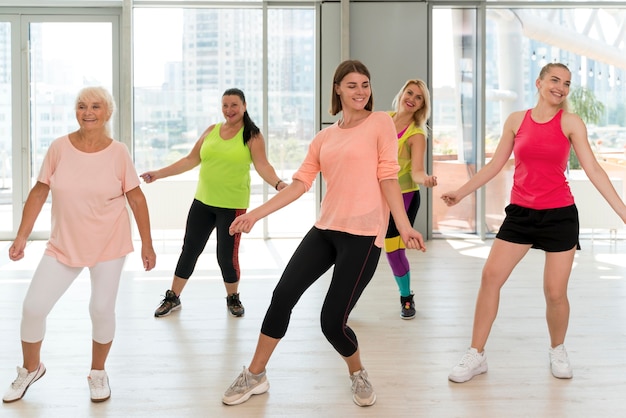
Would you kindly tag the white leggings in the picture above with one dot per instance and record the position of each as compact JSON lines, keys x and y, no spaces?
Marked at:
{"x":49,"y":283}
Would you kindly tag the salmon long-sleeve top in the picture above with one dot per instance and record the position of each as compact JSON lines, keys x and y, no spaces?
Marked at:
{"x":353,"y":161}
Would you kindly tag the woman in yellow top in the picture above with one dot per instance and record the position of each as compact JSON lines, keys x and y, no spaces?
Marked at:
{"x":412,"y":109}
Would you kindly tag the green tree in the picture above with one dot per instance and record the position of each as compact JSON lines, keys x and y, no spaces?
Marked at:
{"x":584,"y":103}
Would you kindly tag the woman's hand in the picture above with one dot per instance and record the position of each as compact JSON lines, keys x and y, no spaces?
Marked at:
{"x":148,"y":256}
{"x":149,"y":176}
{"x":413,"y":239}
{"x":451,"y":198}
{"x":430,"y":181}
{"x":16,"y":251}
{"x":281,"y":185}
{"x":242,"y":223}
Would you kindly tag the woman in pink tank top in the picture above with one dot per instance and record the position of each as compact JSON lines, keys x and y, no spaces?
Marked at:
{"x":542,"y":214}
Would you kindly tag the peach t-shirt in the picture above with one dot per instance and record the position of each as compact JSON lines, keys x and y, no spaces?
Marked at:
{"x":352,"y":162}
{"x":90,"y":221}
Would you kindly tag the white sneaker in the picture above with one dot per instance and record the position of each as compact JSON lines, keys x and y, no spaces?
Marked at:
{"x":23,"y":381}
{"x":246,"y":385}
{"x":99,"y":385}
{"x":472,"y":364}
{"x":559,"y":363}
{"x":362,"y":390}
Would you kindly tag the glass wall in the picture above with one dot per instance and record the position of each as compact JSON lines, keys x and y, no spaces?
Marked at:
{"x":180,"y":76}
{"x":6,"y":131}
{"x":269,"y":52}
{"x":518,"y":42}
{"x":291,"y":109}
{"x":55,"y":79}
{"x":454,"y":114}
{"x":45,"y":59}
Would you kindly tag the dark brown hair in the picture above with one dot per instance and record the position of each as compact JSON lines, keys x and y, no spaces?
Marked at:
{"x":249,"y":127}
{"x":345,"y":68}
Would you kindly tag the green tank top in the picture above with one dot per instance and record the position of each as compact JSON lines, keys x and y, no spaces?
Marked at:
{"x":404,"y":158}
{"x":224,"y":179}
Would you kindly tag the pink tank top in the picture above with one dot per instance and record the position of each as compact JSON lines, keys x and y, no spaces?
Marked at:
{"x":541,"y":153}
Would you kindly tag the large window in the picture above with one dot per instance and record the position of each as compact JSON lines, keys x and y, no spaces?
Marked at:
{"x":180,"y":76}
{"x":591,"y":43}
{"x":6,"y":133}
{"x":454,"y":114}
{"x":45,"y":59}
{"x":518,"y":42}
{"x":55,"y":79}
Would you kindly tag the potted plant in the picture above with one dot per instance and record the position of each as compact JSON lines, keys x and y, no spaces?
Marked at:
{"x":584,"y":103}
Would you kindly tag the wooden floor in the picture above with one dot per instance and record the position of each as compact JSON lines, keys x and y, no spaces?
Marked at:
{"x":180,"y":365}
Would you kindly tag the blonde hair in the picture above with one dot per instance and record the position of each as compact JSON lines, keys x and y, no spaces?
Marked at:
{"x":546,"y":69}
{"x":421,"y":115}
{"x":99,"y":94}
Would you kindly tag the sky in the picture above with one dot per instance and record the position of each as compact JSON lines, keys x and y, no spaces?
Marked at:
{"x":158,"y":38}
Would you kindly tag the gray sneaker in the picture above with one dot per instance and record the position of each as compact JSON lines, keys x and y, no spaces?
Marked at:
{"x":559,"y":363}
{"x":471,"y":364}
{"x":23,"y":381}
{"x":246,"y":385}
{"x":362,"y":390}
{"x":169,"y":304}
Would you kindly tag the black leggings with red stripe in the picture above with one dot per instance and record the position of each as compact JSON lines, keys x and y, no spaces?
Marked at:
{"x":201,"y":221}
{"x":355,"y":259}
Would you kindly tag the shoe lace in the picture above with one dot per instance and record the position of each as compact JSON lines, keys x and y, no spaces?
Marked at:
{"x":97,"y":382}
{"x":19,"y":380}
{"x":233,"y":300}
{"x":241,"y":383}
{"x":360,"y":384}
{"x":469,"y":360}
{"x":559,"y":356}
{"x":168,"y":298}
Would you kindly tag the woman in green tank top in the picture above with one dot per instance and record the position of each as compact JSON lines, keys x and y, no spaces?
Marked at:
{"x":224,"y":152}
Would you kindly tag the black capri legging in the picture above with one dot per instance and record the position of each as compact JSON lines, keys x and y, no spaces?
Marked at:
{"x":201,"y":221}
{"x":355,"y":259}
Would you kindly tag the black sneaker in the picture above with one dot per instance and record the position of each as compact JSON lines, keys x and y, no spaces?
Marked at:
{"x":234,"y":305}
{"x":408,"y":307}
{"x":170,"y":303}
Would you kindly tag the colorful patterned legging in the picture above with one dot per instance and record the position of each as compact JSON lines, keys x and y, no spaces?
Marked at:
{"x":394,"y":246}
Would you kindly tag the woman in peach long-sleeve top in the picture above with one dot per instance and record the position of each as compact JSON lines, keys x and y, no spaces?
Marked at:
{"x":357,"y":157}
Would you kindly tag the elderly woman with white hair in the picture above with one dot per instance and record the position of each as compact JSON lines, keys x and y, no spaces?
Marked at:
{"x":92,"y":178}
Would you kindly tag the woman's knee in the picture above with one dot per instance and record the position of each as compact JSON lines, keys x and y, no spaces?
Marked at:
{"x":32,"y":312}
{"x":229,"y":268}
{"x":333,"y":327}
{"x":339,"y":337}
{"x":103,"y":325}
{"x":555,"y":294}
{"x":100,"y":311}
{"x":333,"y":334}
{"x":492,"y":279}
